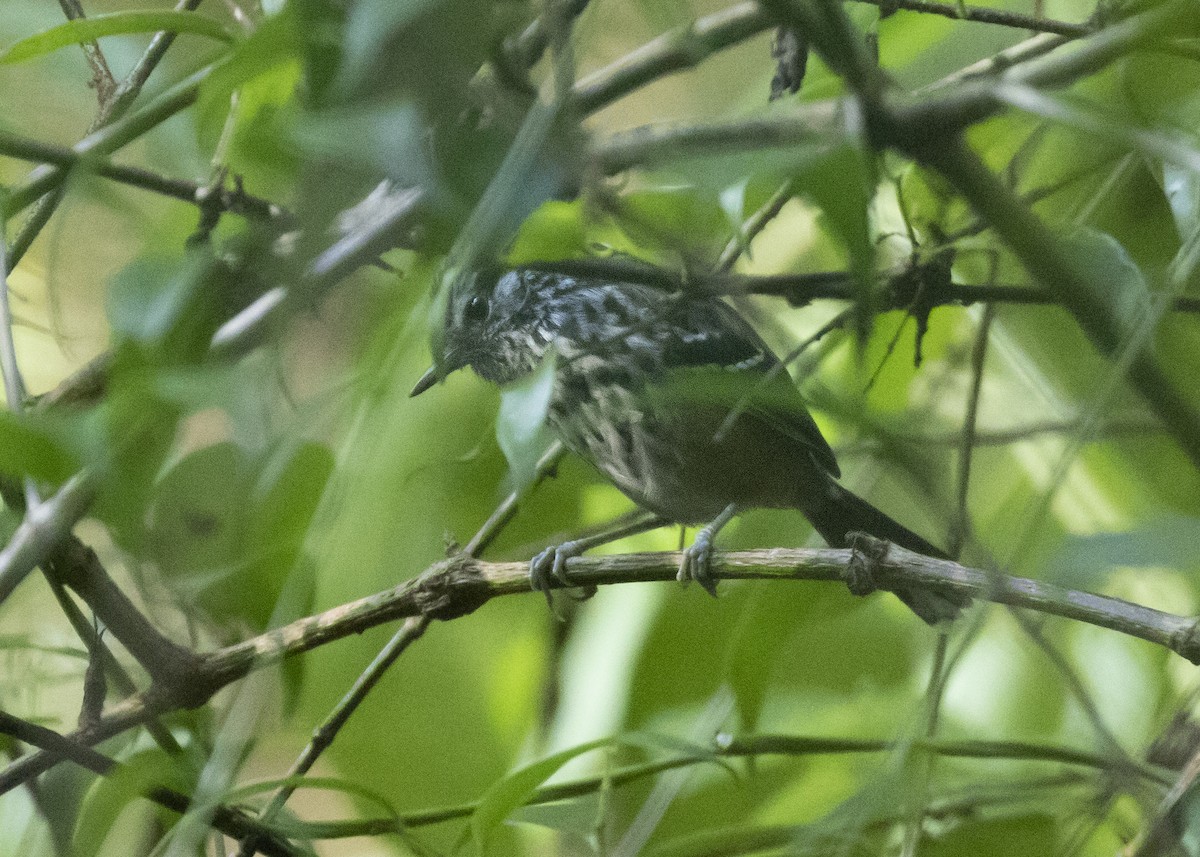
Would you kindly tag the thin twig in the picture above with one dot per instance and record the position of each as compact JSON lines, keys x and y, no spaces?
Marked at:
{"x":14,"y":384}
{"x":43,"y":529}
{"x":102,"y":77}
{"x":111,"y":110}
{"x":547,"y":466}
{"x":748,"y":747}
{"x":232,"y":822}
{"x":235,"y":200}
{"x":688,"y":46}
{"x":754,"y":225}
{"x":966,"y":449}
{"x":323,"y":735}
{"x":132,"y":85}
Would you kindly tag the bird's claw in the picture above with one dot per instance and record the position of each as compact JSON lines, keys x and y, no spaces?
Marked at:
{"x":551,"y":565}
{"x":697,"y":563}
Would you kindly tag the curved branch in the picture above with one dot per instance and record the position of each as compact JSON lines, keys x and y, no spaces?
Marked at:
{"x":748,"y":747}
{"x":460,"y":585}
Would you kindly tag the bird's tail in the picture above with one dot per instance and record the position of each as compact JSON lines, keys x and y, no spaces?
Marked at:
{"x":843,"y":512}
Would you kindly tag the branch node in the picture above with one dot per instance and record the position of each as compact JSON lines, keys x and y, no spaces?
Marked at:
{"x":1186,"y":642}
{"x":451,"y":588}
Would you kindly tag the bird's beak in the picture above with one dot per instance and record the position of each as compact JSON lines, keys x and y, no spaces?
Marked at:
{"x":426,"y":381}
{"x":452,"y":361}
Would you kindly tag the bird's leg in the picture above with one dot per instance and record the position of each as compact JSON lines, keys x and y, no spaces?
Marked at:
{"x":552,"y":562}
{"x":695,"y":564}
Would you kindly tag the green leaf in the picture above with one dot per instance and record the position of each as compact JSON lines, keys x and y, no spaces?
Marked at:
{"x":264,"y":70}
{"x":391,"y":138}
{"x":28,"y":448}
{"x":1182,"y":190}
{"x":113,"y":24}
{"x":108,"y":796}
{"x":373,"y":23}
{"x":1085,"y":561}
{"x":555,"y":231}
{"x":197,"y":536}
{"x":286,"y":496}
{"x":733,"y":203}
{"x":1031,"y":835}
{"x":842,"y":183}
{"x":1182,"y":149}
{"x":168,"y":308}
{"x":237,"y":560}
{"x":514,"y":790}
{"x":1114,"y":276}
{"x":521,"y":423}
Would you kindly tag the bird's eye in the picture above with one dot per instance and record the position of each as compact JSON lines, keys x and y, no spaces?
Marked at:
{"x":476,"y":309}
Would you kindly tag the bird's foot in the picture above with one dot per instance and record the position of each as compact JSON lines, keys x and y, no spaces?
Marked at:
{"x":697,"y":560}
{"x":867,"y":552}
{"x":697,"y":563}
{"x":550,"y":567}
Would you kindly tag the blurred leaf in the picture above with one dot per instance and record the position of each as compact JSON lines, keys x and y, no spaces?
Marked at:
{"x":733,"y":203}
{"x":842,"y":183}
{"x":1032,"y":835}
{"x":114,"y":24}
{"x":389,"y":138}
{"x":29,"y":446}
{"x":669,"y":224}
{"x":263,"y":69}
{"x":196,"y":534}
{"x":288,"y":490}
{"x":1182,"y":189}
{"x":373,"y":23}
{"x":236,"y":560}
{"x":521,"y":422}
{"x":419,"y":49}
{"x":1084,"y":561}
{"x":168,"y":309}
{"x":108,"y":796}
{"x":555,"y":231}
{"x":1181,"y":148}
{"x":1114,"y":277}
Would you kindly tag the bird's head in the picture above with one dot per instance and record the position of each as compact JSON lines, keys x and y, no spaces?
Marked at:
{"x":500,"y":323}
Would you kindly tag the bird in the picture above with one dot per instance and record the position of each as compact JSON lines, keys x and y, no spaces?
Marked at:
{"x":674,"y":398}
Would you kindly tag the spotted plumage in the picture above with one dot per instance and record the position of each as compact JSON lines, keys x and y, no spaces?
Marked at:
{"x":675,"y":400}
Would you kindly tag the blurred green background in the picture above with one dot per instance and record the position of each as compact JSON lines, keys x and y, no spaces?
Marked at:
{"x":318,"y":480}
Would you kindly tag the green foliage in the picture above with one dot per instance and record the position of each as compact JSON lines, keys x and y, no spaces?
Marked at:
{"x":114,"y":24}
{"x":520,"y":422}
{"x":243,"y":486}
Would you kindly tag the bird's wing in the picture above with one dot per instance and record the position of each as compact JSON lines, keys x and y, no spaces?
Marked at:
{"x":710,"y":333}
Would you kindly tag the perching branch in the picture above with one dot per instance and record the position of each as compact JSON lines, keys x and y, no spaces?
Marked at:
{"x":460,"y":585}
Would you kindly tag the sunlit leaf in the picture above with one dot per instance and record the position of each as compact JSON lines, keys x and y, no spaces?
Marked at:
{"x":521,"y":423}
{"x":113,"y":24}
{"x":554,"y":231}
